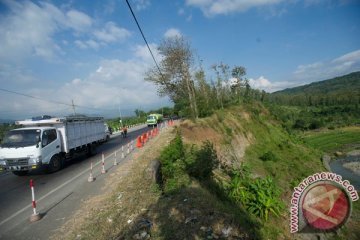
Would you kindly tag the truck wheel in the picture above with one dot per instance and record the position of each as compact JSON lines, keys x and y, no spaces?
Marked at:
{"x":55,"y":164}
{"x":20,"y":173}
{"x":90,"y":150}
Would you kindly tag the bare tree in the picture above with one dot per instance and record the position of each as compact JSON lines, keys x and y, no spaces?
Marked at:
{"x":174,"y":78}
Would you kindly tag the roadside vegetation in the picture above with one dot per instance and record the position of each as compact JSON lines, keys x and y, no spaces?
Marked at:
{"x":229,"y":169}
{"x":139,"y":118}
{"x":4,"y":127}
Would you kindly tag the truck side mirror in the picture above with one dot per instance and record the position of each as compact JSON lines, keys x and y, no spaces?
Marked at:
{"x":44,"y":141}
{"x":38,"y":141}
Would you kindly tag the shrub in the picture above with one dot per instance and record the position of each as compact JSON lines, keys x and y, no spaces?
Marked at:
{"x":259,"y":196}
{"x":200,"y":163}
{"x":315,"y":124}
{"x":300,"y":124}
{"x":228,"y":131}
{"x":173,"y":167}
{"x":269,"y":156}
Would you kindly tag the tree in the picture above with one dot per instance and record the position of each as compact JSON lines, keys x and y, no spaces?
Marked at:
{"x":229,"y":91}
{"x":222,"y":77}
{"x":139,"y":113}
{"x":174,"y":78}
{"x":203,"y":94}
{"x":238,"y":72}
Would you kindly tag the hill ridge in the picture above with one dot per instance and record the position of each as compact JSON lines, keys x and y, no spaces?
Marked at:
{"x":346,"y":83}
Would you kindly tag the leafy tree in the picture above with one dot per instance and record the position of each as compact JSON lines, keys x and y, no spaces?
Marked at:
{"x":139,"y":113}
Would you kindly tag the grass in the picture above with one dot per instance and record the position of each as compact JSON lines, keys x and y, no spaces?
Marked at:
{"x":332,"y":140}
{"x":202,"y":210}
{"x":273,"y":152}
{"x":269,"y":151}
{"x":136,"y":205}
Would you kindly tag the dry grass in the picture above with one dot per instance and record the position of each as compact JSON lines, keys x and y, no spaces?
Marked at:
{"x":227,"y":136}
{"x":135,"y":206}
{"x":130,"y":193}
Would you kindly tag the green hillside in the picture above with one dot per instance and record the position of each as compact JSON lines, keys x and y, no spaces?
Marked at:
{"x":331,"y":103}
{"x":344,"y":90}
{"x":338,"y":85}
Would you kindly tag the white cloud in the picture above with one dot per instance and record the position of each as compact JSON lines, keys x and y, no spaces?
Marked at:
{"x":305,"y":68}
{"x":14,"y":74}
{"x":109,"y":6}
{"x":349,"y":57}
{"x":339,"y":66}
{"x":141,"y":4}
{"x":110,"y":82}
{"x":308,"y":3}
{"x":93,"y":44}
{"x":263,"y":83}
{"x":113,"y":80}
{"x":81,"y":44}
{"x":172,"y":32}
{"x":181,"y":11}
{"x":111,"y":33}
{"x":216,"y":7}
{"x":224,"y":7}
{"x":260,"y":83}
{"x":78,"y":20}
{"x":142,"y":52}
{"x":308,"y":73}
{"x":30,"y":29}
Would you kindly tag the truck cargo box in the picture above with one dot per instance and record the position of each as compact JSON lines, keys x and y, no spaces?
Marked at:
{"x":75,"y":131}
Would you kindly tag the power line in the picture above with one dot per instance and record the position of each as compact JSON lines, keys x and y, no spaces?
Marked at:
{"x":49,"y":101}
{"x":142,"y":34}
{"x":29,"y":96}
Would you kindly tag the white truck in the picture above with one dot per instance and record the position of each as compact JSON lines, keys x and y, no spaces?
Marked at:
{"x":48,"y":142}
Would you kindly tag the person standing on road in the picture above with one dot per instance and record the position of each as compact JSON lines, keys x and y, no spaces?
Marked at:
{"x":124,"y":132}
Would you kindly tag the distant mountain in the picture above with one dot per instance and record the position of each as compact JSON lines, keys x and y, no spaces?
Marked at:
{"x":6,"y":121}
{"x":349,"y":84}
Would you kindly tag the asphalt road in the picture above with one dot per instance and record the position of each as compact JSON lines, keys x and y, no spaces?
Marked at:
{"x":58,"y":194}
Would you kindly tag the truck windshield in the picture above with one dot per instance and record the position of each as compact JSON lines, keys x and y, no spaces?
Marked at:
{"x":21,"y":138}
{"x":150,"y":117}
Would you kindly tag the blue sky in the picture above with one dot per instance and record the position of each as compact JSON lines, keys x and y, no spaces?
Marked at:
{"x":91,"y":52}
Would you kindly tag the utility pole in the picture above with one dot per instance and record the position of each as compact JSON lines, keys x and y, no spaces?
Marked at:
{"x":121,"y":124}
{"x":73,"y":106}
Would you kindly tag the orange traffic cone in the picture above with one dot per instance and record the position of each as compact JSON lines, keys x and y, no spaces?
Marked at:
{"x":139,"y":144}
{"x":144,"y":137}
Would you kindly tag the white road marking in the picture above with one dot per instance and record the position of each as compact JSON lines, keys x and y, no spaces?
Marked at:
{"x":51,"y":192}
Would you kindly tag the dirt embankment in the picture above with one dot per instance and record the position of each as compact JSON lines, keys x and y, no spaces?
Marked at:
{"x":129,"y":194}
{"x":135,"y":208}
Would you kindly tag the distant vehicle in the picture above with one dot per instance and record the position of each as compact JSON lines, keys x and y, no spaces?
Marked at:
{"x":154,"y":119}
{"x":48,"y":142}
{"x":108,"y":132}
{"x":174,"y":117}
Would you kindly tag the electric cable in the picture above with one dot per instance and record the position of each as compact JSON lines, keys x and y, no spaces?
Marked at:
{"x":142,"y":34}
{"x":49,"y":101}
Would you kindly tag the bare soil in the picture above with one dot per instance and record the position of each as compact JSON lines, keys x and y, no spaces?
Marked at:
{"x":135,"y":208}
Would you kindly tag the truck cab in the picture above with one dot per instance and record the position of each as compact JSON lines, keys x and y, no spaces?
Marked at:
{"x":153,"y":119}
{"x":49,"y":141}
{"x":26,"y":149}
